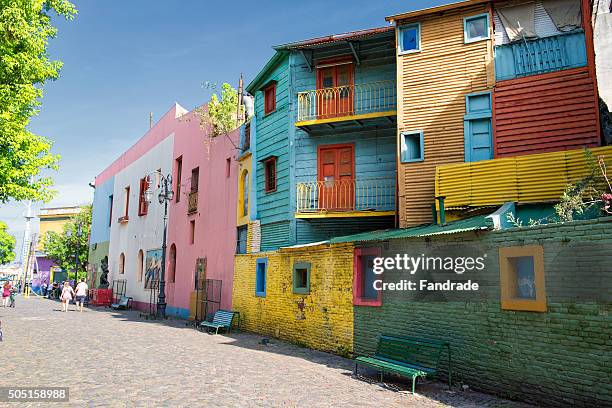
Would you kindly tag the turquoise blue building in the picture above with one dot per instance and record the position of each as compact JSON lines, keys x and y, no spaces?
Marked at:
{"x":324,"y":138}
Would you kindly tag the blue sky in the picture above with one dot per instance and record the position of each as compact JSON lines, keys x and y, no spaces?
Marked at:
{"x":124,"y":59}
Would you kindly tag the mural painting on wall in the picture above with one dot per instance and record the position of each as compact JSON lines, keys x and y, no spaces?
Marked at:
{"x":153,"y":267}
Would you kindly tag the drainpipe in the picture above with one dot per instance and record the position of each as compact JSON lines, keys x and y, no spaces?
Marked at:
{"x":442,"y":212}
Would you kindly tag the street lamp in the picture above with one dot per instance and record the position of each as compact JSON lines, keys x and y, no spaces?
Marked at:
{"x":166,"y":194}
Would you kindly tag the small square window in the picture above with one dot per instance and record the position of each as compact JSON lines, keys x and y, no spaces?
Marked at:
{"x":409,"y":38}
{"x":476,"y":28}
{"x":522,"y":278}
{"x":412,"y":149}
{"x":270,"y":99}
{"x":364,"y":291}
{"x":301,"y":278}
{"x":260,"y":277}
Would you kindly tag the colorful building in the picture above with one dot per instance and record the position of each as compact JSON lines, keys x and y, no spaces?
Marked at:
{"x":126,"y":236}
{"x":324,"y":145}
{"x":483,"y":81}
{"x":51,"y":220}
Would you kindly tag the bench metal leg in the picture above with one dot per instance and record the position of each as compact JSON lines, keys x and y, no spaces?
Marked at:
{"x":355,"y":370}
{"x":381,"y":376}
{"x":413,"y":383}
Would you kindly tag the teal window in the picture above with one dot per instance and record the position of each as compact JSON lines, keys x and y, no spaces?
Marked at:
{"x":260,"y":277}
{"x":301,"y":278}
{"x":476,"y":28}
{"x":409,"y":38}
{"x":412,"y":149}
{"x":478,"y":128}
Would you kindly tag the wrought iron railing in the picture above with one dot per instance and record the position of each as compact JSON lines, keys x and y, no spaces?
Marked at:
{"x":349,"y":100}
{"x":545,"y":54}
{"x":192,"y":205}
{"x":368,"y":194}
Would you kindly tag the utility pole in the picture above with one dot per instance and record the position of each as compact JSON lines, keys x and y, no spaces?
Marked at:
{"x":25,"y":246}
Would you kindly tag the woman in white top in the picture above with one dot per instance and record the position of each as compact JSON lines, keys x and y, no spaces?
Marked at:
{"x":66,"y":296}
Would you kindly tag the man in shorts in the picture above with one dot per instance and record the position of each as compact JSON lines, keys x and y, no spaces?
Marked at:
{"x":81,"y":293}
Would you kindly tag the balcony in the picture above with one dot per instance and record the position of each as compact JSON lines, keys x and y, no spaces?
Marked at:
{"x":545,"y":54}
{"x":192,"y":204}
{"x":530,"y":179}
{"x":347,"y":103}
{"x":366,"y":197}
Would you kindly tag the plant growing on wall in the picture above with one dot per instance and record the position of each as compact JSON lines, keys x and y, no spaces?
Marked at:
{"x":25,"y":28}
{"x":220,"y":114}
{"x":594,"y":191}
{"x":61,"y":247}
{"x":7,"y":245}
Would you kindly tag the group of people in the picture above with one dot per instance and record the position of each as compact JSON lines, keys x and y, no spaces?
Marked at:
{"x":68,"y":293}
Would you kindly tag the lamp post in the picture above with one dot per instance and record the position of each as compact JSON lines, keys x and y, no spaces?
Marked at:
{"x":165,"y":194}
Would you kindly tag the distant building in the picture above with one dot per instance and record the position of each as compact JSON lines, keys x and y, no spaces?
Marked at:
{"x":51,"y":220}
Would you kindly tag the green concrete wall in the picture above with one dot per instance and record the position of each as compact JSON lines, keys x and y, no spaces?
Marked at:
{"x":96,"y":253}
{"x":562,"y":357}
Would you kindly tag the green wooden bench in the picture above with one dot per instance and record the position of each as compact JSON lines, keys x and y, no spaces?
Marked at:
{"x":222,"y":319}
{"x":407,"y":356}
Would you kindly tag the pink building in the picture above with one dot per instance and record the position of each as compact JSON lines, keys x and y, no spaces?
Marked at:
{"x":127,"y":233}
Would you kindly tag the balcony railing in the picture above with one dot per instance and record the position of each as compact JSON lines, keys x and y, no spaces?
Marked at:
{"x":349,"y":100}
{"x":545,"y":54}
{"x":370,"y":194}
{"x":192,"y":205}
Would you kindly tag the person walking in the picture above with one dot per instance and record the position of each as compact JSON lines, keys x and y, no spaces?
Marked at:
{"x":66,"y":297}
{"x":6,"y":293}
{"x":81,"y":293}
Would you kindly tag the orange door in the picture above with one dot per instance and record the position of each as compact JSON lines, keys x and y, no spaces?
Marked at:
{"x":336,"y":178}
{"x":335,"y":91}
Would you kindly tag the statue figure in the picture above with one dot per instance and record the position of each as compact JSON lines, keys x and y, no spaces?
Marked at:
{"x":104,"y":275}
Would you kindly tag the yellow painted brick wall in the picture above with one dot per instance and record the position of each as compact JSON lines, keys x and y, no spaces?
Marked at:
{"x":322,"y":319}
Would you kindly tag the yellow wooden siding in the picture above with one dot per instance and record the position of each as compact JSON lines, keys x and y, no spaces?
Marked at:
{"x":532,"y":178}
{"x":432,"y":85}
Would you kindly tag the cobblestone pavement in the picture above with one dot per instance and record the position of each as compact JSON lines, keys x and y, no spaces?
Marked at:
{"x":116,"y":359}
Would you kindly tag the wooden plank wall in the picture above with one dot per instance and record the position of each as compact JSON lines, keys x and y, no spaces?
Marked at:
{"x":544,"y":113}
{"x":432,"y":85}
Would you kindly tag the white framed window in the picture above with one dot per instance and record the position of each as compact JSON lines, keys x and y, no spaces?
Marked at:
{"x":409,"y":38}
{"x":411,"y":145}
{"x":476,"y":28}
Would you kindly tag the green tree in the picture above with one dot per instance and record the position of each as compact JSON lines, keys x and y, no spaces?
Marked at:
{"x":221,"y":114}
{"x":61,"y":247}
{"x":25,"y":29}
{"x":7,"y":245}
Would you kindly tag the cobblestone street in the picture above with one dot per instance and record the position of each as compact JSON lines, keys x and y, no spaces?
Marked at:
{"x":116,"y":359}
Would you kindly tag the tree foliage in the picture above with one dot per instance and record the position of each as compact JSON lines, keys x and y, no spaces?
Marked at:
{"x":25,"y":29}
{"x":221,"y":114}
{"x":61,"y":247}
{"x":7,"y":245}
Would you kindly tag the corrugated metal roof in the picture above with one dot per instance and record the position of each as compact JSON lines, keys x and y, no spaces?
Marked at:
{"x":468,"y":224}
{"x":352,"y":35}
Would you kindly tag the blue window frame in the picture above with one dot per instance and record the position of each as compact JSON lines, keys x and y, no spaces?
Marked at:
{"x":409,"y":38}
{"x":261,"y":270}
{"x":411,"y":145}
{"x":477,"y":127}
{"x":476,"y":28}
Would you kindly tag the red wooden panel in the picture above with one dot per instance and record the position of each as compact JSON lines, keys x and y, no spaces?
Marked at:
{"x":545,"y":113}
